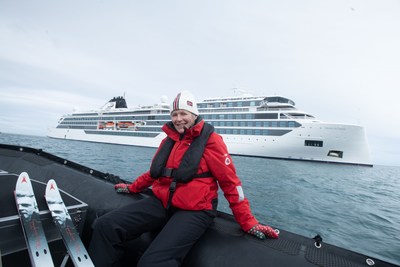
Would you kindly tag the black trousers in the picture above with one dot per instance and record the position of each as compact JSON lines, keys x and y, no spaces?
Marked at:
{"x":179,"y":232}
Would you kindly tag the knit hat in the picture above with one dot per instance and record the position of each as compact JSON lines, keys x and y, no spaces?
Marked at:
{"x":184,"y":100}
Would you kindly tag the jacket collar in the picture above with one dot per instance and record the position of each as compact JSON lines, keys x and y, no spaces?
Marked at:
{"x":190,"y":133}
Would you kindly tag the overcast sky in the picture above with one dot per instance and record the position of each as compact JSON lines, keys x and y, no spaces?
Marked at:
{"x":337,"y":59}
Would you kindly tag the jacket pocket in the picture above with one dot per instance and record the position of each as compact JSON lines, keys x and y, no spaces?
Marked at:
{"x":161,"y":191}
{"x":194,"y":195}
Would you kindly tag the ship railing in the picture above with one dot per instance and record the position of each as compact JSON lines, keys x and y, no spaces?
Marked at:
{"x":287,"y":116}
{"x":264,"y":103}
{"x":297,"y":116}
{"x":274,"y":108}
{"x":219,"y":110}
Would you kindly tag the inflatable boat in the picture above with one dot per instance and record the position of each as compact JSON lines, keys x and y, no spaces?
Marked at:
{"x":88,"y":194}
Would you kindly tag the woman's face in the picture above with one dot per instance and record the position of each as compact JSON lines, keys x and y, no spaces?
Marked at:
{"x":182,"y":119}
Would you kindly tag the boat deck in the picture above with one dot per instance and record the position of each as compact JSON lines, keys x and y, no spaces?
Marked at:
{"x":224,"y":243}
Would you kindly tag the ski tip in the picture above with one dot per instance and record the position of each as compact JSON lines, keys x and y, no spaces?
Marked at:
{"x":23,"y":182}
{"x":23,"y":174}
{"x":23,"y":177}
{"x":51,"y":185}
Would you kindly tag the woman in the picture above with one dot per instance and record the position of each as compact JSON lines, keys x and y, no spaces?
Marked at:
{"x":185,"y":173}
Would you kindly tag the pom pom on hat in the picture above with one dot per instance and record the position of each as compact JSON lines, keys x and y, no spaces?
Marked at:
{"x":184,"y":100}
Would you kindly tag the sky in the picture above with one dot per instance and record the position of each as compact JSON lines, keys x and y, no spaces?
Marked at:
{"x":337,"y":59}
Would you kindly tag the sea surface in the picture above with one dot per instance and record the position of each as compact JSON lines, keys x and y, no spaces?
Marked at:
{"x":354,"y":207}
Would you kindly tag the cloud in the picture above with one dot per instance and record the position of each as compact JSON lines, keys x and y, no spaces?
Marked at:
{"x":337,"y":60}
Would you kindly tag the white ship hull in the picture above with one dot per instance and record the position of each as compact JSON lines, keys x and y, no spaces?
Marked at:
{"x":81,"y":135}
{"x":350,"y":140}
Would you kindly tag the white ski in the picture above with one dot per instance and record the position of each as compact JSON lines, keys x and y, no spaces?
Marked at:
{"x":62,"y":219}
{"x":32,"y":227}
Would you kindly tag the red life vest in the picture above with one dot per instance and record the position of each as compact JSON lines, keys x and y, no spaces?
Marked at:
{"x":189,"y":164}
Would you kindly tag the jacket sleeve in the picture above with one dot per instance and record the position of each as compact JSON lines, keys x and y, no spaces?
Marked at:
{"x":141,"y":183}
{"x":145,"y":180}
{"x":221,"y":166}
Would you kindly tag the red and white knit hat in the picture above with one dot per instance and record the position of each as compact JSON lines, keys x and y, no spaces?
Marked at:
{"x":184,"y":100}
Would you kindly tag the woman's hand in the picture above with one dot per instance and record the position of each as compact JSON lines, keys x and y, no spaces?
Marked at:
{"x":261,"y":231}
{"x":122,"y":188}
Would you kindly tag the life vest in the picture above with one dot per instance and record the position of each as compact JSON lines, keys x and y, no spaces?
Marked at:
{"x":189,"y":164}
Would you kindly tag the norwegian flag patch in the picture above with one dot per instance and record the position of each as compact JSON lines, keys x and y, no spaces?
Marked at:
{"x":189,"y":103}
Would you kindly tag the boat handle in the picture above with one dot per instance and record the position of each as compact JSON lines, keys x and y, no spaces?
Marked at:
{"x":370,"y":262}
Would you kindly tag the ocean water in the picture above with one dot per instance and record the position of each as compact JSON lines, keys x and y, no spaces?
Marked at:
{"x":354,"y":207}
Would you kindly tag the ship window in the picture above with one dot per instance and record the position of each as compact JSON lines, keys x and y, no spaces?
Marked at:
{"x":335,"y":153}
{"x":266,"y":116}
{"x":239,"y":104}
{"x":242,"y":123}
{"x":315,"y":143}
{"x":252,"y":103}
{"x":258,"y":123}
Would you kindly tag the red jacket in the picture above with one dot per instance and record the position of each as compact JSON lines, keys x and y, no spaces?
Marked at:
{"x":199,"y":193}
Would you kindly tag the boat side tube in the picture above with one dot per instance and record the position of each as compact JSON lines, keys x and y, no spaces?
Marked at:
{"x":223,"y":244}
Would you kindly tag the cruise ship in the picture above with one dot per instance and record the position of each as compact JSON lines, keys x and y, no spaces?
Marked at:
{"x":255,"y":126}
